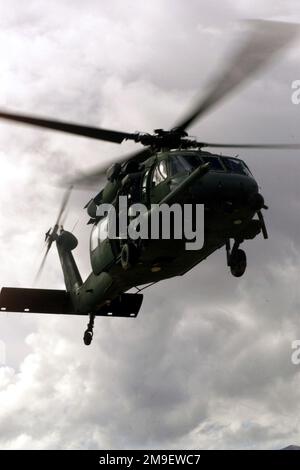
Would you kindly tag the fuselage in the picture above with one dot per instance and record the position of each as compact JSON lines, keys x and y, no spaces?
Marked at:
{"x":230,"y":196}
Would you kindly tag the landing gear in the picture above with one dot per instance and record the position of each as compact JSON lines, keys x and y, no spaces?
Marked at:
{"x":89,"y":332}
{"x":236,"y":259}
{"x":238,"y":263}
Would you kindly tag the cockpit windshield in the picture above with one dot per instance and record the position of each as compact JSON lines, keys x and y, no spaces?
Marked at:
{"x":188,"y":162}
{"x":214,"y":162}
{"x":235,"y":165}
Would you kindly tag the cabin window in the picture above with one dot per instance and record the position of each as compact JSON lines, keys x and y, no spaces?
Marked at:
{"x":160,"y":173}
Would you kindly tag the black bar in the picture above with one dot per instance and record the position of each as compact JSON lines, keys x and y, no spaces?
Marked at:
{"x":144,"y":458}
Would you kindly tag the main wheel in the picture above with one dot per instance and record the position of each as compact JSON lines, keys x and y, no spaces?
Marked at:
{"x":238,"y":263}
{"x":128,"y":256}
{"x":87,"y":338}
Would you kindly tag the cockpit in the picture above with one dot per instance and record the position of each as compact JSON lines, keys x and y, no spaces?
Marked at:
{"x":186,"y":163}
{"x":235,"y":165}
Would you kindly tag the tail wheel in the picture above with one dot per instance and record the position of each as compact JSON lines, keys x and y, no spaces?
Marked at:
{"x":238,"y":263}
{"x":128,"y":256}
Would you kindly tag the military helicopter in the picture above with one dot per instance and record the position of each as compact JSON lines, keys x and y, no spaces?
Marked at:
{"x":171,"y":168}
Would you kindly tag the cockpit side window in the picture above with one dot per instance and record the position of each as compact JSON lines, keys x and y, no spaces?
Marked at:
{"x":160,"y":173}
{"x":99,"y":233}
{"x":145,"y":183}
{"x":183,"y":163}
{"x":176,"y":165}
{"x":103,"y":229}
{"x":94,"y":241}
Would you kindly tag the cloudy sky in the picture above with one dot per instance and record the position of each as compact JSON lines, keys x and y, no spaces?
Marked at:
{"x":207,"y":364}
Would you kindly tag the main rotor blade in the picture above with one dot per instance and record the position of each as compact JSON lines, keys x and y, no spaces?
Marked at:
{"x":77,"y":129}
{"x":265,"y":40}
{"x":94,"y":176}
{"x":254,"y":146}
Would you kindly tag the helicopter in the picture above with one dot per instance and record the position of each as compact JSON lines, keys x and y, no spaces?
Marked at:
{"x":170,"y":168}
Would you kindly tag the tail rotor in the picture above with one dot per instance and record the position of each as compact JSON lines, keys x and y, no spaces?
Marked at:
{"x":52,"y":234}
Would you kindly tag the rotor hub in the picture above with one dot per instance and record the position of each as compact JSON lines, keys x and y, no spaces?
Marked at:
{"x":162,"y":139}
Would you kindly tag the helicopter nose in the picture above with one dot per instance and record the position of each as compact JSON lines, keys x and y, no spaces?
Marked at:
{"x":256,"y":201}
{"x":240,"y":189}
{"x":233,"y":188}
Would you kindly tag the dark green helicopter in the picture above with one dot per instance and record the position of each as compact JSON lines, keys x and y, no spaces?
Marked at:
{"x":173,"y":168}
